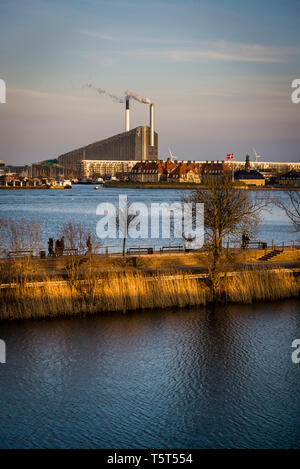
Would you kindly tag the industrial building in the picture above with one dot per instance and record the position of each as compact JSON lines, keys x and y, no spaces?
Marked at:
{"x":268,"y":169}
{"x":139,"y":144}
{"x":46,"y":169}
{"x":93,"y":169}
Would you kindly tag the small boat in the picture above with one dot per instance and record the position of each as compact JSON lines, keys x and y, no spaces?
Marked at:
{"x":67,"y":184}
{"x":96,"y":188}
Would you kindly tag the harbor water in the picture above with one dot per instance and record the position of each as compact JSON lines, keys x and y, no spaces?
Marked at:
{"x":202,"y":378}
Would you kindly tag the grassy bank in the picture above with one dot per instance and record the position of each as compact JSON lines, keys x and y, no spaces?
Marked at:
{"x":52,"y":267}
{"x":136,"y":291}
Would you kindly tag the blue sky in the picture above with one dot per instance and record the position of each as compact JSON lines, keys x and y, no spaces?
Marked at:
{"x":219,"y":73}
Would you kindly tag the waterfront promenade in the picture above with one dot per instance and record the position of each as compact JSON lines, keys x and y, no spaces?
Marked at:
{"x":87,"y":285}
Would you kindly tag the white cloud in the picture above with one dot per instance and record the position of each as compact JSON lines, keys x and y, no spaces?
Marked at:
{"x":98,"y":35}
{"x":194,"y":50}
{"x":145,"y":39}
{"x":220,"y":51}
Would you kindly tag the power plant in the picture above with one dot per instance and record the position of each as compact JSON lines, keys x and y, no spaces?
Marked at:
{"x":119,"y":151}
{"x":127,"y":116}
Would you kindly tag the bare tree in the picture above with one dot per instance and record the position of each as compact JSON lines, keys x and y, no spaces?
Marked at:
{"x":123,"y":221}
{"x":291,"y":207}
{"x":76,"y":237}
{"x":22,"y":235}
{"x":228,"y":212}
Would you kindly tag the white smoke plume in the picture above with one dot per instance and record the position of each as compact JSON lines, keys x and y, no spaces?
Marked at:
{"x":116,"y":99}
{"x":138,"y":98}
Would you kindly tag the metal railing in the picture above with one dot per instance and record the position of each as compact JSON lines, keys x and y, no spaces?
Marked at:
{"x":116,"y":250}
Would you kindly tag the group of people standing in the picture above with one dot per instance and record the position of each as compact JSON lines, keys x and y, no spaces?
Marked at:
{"x":58,"y":249}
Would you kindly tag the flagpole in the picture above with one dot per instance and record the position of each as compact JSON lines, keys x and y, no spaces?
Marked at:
{"x":230,"y":156}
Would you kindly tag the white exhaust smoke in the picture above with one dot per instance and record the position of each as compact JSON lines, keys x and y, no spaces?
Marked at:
{"x":116,"y":99}
{"x":119,"y":99}
{"x":128,"y":95}
{"x":138,"y":98}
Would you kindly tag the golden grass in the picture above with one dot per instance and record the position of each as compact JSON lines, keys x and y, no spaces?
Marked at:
{"x":136,"y":291}
{"x":117,"y":292}
{"x":252,"y":255}
{"x":260,"y":285}
{"x":54,"y":266}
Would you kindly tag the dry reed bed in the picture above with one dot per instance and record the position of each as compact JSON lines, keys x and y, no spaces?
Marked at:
{"x":135,"y":291}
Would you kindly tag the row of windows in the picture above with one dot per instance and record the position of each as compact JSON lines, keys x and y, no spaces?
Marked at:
{"x":145,"y":171}
{"x":213,"y":171}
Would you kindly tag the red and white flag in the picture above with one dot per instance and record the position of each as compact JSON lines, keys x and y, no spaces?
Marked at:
{"x":230,"y":156}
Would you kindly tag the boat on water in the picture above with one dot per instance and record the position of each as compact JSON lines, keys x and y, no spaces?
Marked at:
{"x":67,"y":184}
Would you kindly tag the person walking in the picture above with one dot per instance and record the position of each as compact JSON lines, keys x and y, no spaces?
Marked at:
{"x":247,"y":239}
{"x":50,"y":247}
{"x":57,"y":248}
{"x":243,"y":241}
{"x":89,"y":245}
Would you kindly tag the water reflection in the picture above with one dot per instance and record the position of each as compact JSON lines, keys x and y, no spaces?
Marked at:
{"x":207,"y":378}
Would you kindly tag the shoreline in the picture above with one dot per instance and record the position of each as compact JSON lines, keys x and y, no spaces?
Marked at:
{"x":81,"y":285}
{"x":10,"y":188}
{"x":148,"y":185}
{"x":187,"y":186}
{"x":137,"y":291}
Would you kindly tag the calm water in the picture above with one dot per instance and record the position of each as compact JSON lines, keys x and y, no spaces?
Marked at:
{"x":174,"y":379}
{"x":54,"y":207}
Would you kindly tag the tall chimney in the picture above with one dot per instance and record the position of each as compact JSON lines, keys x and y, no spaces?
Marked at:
{"x":127,"y":123}
{"x":151,"y":125}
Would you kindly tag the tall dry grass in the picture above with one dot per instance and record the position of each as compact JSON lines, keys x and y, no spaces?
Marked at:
{"x":115,"y":292}
{"x":136,"y":291}
{"x":260,"y":285}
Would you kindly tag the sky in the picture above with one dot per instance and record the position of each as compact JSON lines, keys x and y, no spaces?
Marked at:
{"x":219,"y":73}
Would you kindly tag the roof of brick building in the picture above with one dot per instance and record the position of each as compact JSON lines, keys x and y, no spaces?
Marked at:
{"x":252,"y":174}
